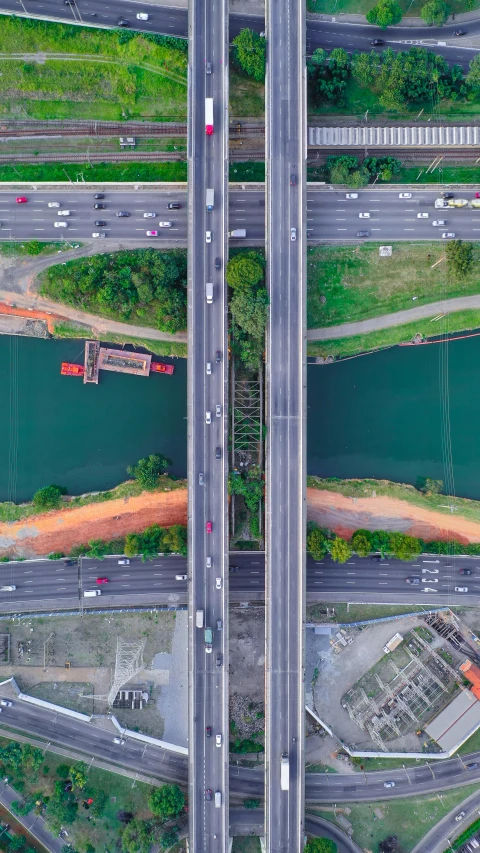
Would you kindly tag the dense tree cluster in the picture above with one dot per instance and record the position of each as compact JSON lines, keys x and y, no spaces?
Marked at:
{"x":459,"y":257}
{"x":363,"y":543}
{"x":399,"y":79}
{"x":50,"y":497}
{"x":248,"y":306}
{"x":155,"y":540}
{"x":320,"y":845}
{"x":250,"y":53}
{"x":147,"y":471}
{"x":347,"y":169}
{"x":132,"y":286}
{"x":385,"y":14}
{"x":435,"y":12}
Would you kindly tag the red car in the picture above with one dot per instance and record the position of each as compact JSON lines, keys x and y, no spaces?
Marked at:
{"x":209,"y":526}
{"x":21,"y":199}
{"x":477,"y":195}
{"x":102,"y":580}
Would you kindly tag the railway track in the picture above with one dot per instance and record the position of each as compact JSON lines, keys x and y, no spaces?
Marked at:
{"x":317,"y":155}
{"x":110,"y":128}
{"x":119,"y":157}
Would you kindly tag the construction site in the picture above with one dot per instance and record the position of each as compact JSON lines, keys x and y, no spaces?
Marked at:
{"x":415,"y":689}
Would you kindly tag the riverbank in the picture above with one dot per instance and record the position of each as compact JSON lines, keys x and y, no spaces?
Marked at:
{"x":348,"y":505}
{"x":61,"y":530}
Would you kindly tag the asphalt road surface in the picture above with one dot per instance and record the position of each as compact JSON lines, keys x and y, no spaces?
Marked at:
{"x":285,"y":128}
{"x":367,"y":579}
{"x":453,"y":824}
{"x":330,"y":216}
{"x":207,"y":428}
{"x":327,"y":34}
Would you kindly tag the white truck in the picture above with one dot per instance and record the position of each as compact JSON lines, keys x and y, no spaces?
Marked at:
{"x":199,"y":619}
{"x":238,"y":232}
{"x":209,"y":116}
{"x":210,"y":198}
{"x":285,"y":772}
{"x":209,"y":292}
{"x":393,"y":643}
{"x":91,"y":593}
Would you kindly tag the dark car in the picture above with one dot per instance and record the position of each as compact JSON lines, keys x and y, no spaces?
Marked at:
{"x":69,"y":2}
{"x":466,"y":571}
{"x":218,"y":264}
{"x":219,"y":659}
{"x":99,"y":206}
{"x":174,"y":205}
{"x":293,"y":180}
{"x":123,"y":22}
{"x":123,"y":213}
{"x":70,"y":562}
{"x":218,"y":357}
{"x":413,"y":580}
{"x":234,"y":568}
{"x":208,"y":794}
{"x":472,"y":765}
{"x":100,"y":222}
{"x":208,"y":731}
{"x":363,"y":233}
{"x":218,"y":453}
{"x":459,"y":32}
{"x":99,"y":195}
{"x":448,"y":195}
{"x":377,"y":42}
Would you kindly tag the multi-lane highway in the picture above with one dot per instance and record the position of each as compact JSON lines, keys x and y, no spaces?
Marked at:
{"x":285,"y":168}
{"x":43,"y":583}
{"x":320,"y":33}
{"x":207,"y":426}
{"x":330,"y":216}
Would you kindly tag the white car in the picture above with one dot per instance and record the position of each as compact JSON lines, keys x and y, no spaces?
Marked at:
{"x":351,"y":195}
{"x":209,"y":563}
{"x":6,"y":703}
{"x":60,"y":224}
{"x":404,"y":195}
{"x":98,"y":234}
{"x":364,"y":216}
{"x":218,"y":583}
{"x":389,"y":784}
{"x":218,"y":410}
{"x":119,"y":740}
{"x":448,"y":235}
{"x":149,"y":215}
{"x":209,"y":368}
{"x":461,"y":589}
{"x":460,"y":816}
{"x":164,"y":224}
{"x":422,"y":215}
{"x":181,"y":577}
{"x":208,"y":236}
{"x":208,"y":417}
{"x":123,"y":562}
{"x":63,"y":213}
{"x":152,"y":233}
{"x":218,"y":740}
{"x":53,"y":204}
{"x":437,"y":222}
{"x":142,"y":16}
{"x":293,"y":234}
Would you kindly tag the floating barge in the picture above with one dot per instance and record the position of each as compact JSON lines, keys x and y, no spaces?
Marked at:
{"x":117,"y":360}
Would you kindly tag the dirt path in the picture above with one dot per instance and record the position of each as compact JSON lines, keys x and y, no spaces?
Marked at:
{"x":59,"y":531}
{"x":344,"y":515}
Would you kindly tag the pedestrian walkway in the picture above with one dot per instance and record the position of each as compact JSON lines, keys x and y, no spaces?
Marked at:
{"x":387,"y":321}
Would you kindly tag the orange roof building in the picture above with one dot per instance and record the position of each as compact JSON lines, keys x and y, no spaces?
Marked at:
{"x":472,"y":672}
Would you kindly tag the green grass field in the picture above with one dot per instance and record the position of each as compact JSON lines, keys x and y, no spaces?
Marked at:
{"x":98,"y":74}
{"x":167,"y":348}
{"x":457,"y":321}
{"x":409,"y":819}
{"x":247,"y":97}
{"x":364,"y":488}
{"x":79,"y":172}
{"x":358,"y":284}
{"x":361,"y":7}
{"x":347,"y":613}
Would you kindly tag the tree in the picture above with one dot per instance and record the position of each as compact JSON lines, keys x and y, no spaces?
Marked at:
{"x":251,"y":804}
{"x":132,"y":545}
{"x":429,"y":486}
{"x":362,"y":543}
{"x":63,"y":770}
{"x":459,"y":257}
{"x":250,"y":49}
{"x":389,"y":845}
{"x":175,"y":539}
{"x":316,"y":543}
{"x":244,"y":271}
{"x":166,"y":802}
{"x":249,"y":309}
{"x":364,"y":67}
{"x":385,"y":14}
{"x":340,"y":550}
{"x":17,"y":843}
{"x":404,"y":547}
{"x":136,"y":837}
{"x":50,"y":497}
{"x":169,"y":837}
{"x":78,"y":775}
{"x":435,"y":12}
{"x":148,"y":470}
{"x":320,"y":845}
{"x":61,"y":807}
{"x":380,"y":541}
{"x":473,"y":76}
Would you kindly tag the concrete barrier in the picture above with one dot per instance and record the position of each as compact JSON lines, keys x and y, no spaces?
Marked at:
{"x":171,"y":747}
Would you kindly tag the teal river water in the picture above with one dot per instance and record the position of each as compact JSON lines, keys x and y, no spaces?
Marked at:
{"x":376,"y":416}
{"x":55,"y":429}
{"x":382,"y":415}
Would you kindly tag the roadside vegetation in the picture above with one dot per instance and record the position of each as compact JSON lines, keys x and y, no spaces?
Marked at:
{"x":147,"y":475}
{"x":412,"y":8}
{"x":32,"y":247}
{"x":247,"y":74}
{"x":405,"y":821}
{"x":423,"y":495}
{"x":344,"y":614}
{"x":352,"y":283}
{"x":95,"y":172}
{"x":143,"y":286}
{"x":90,"y":73}
{"x":172,"y":349}
{"x":78,"y":797}
{"x":390,"y":83}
